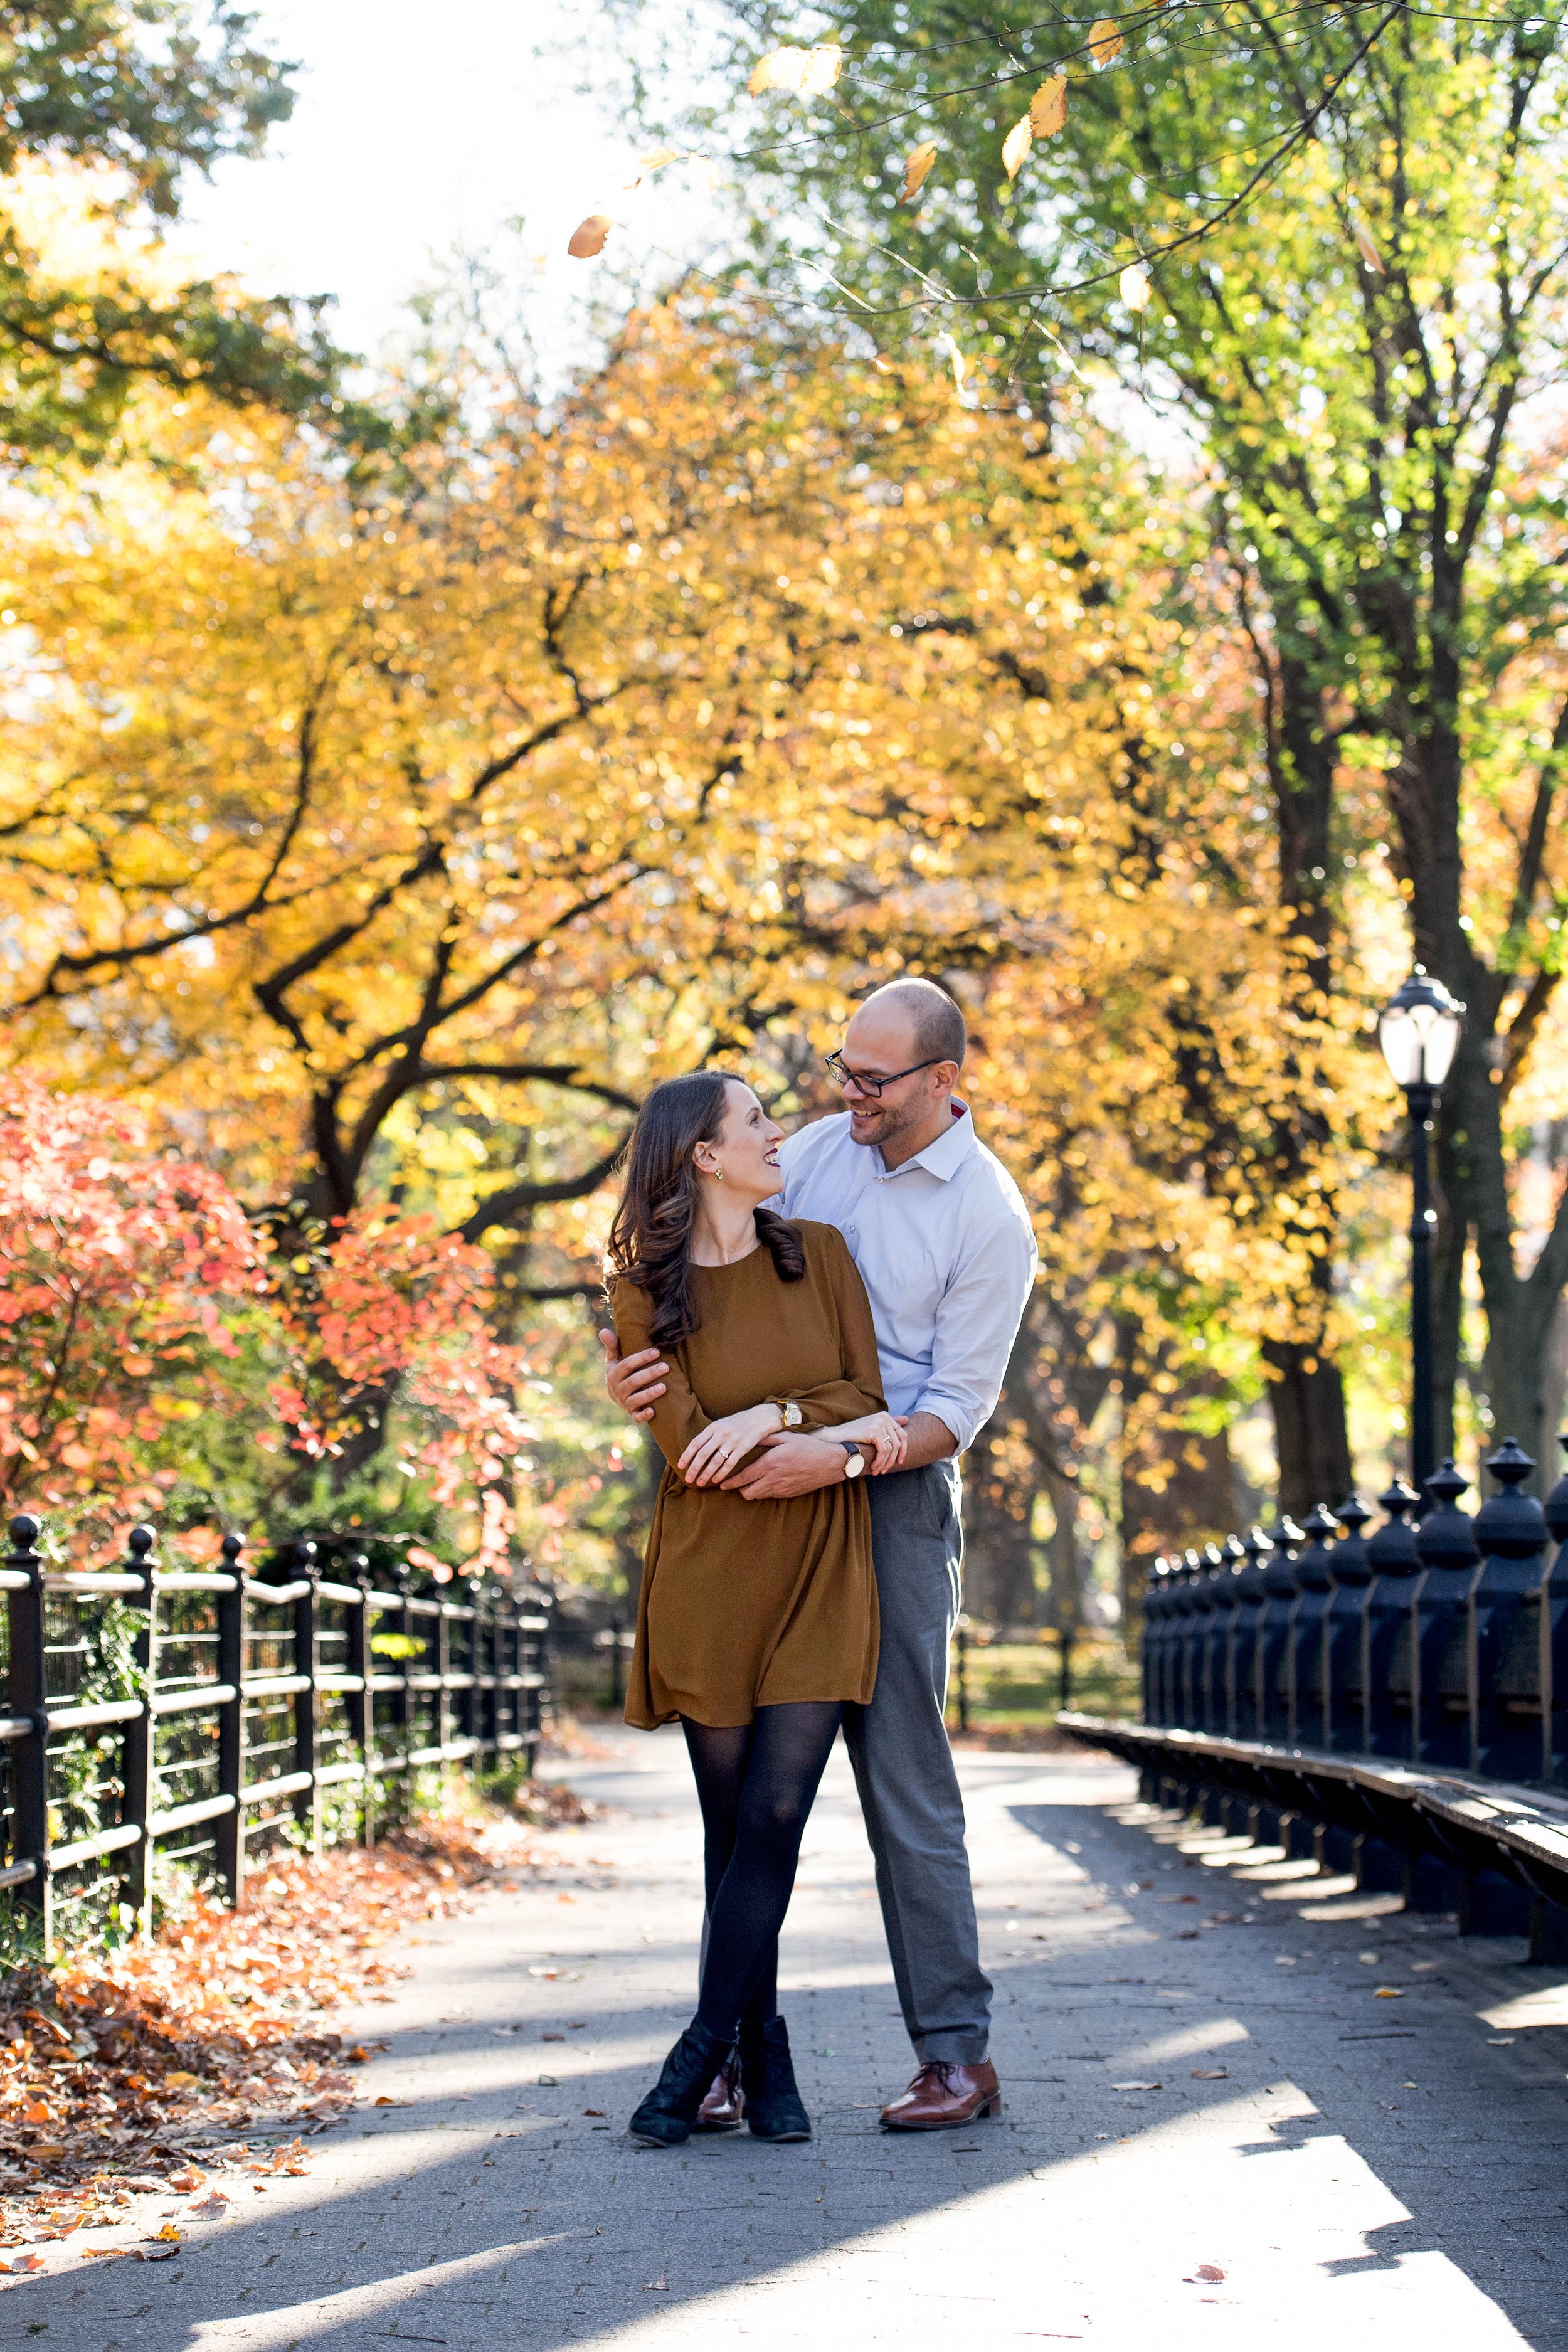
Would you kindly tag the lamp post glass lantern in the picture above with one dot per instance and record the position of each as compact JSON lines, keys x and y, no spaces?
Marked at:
{"x":1419,"y":1033}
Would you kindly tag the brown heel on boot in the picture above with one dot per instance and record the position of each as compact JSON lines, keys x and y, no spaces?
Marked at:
{"x":724,"y":2108}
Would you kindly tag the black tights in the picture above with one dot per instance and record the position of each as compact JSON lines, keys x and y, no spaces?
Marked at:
{"x":755,"y":1783}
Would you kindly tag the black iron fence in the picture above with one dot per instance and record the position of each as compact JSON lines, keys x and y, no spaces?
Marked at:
{"x":1397,"y":1705}
{"x":156,"y":1714}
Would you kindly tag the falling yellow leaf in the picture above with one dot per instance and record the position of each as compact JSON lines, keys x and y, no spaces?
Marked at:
{"x":1364,"y":246}
{"x":917,"y":166}
{"x":656,"y":161}
{"x":1104,"y":41}
{"x":804,"y":72}
{"x":1136,"y":287}
{"x":588,"y":238}
{"x":1016,"y":145}
{"x":1048,"y":107}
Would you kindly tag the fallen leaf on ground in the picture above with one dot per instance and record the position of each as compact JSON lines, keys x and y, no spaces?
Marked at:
{"x":656,"y":2287}
{"x":21,"y":2266}
{"x":1211,"y":2075}
{"x":213,"y":2208}
{"x":592,"y":2111}
{"x":100,"y":2253}
{"x":1137,"y":2086}
{"x":384,"y":2102}
{"x":220,"y":2019}
{"x":1388,"y":1992}
{"x":153,"y":2252}
{"x":549,"y":2082}
{"x":169,"y":2232}
{"x":1209,"y":2271}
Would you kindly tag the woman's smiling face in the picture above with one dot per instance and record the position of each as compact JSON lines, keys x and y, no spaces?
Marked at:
{"x":745,"y":1148}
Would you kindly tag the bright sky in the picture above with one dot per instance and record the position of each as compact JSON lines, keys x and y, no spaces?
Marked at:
{"x":419,"y":129}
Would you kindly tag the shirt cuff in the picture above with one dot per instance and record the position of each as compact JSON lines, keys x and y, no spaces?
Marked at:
{"x":954,"y":1414}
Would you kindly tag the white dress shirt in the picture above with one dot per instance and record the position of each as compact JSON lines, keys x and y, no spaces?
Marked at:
{"x":945,"y":1250}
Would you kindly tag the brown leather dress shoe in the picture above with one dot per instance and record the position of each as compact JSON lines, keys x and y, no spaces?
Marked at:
{"x":942,"y":2097}
{"x":725,"y":2105}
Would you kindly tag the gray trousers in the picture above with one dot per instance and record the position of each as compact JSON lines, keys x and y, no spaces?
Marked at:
{"x":904,"y":1770}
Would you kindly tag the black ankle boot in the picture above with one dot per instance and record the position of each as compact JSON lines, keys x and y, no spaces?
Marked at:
{"x":666,"y":2117}
{"x":773,"y":2108}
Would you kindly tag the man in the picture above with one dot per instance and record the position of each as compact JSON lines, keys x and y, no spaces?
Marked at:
{"x":941,"y":1237}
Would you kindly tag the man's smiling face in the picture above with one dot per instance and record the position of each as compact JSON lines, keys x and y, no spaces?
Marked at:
{"x":880,"y":1040}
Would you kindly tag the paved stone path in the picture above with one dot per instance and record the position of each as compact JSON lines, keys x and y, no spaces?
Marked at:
{"x":1216,"y":2133}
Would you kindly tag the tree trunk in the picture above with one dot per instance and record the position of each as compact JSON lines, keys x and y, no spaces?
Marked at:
{"x":1307,"y":1398}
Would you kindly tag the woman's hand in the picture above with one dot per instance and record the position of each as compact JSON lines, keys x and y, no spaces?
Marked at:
{"x":710,"y":1457}
{"x":881,"y":1430}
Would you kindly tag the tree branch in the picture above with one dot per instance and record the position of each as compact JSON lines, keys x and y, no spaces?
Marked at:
{"x":501,"y":1207}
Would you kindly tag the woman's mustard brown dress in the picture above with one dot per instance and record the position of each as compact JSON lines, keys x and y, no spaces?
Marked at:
{"x":756,"y":1604}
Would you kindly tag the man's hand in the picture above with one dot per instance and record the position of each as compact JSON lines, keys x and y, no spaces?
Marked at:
{"x":635,"y":1384}
{"x":789,"y":1465}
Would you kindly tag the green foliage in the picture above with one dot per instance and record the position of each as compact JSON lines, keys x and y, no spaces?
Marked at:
{"x":117,"y":101}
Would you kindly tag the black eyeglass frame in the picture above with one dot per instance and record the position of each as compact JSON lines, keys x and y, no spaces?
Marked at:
{"x":842,"y":1077}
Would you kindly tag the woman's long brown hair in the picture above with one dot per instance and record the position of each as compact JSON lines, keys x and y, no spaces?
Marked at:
{"x":650,"y":1240}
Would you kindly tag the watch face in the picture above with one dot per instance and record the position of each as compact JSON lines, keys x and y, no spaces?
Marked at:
{"x":854,"y":1465}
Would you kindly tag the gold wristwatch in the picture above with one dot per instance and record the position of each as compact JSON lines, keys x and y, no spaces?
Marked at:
{"x":855,"y":1464}
{"x":789,"y":1411}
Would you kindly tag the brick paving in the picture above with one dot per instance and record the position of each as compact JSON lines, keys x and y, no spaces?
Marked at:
{"x":1359,"y":2168}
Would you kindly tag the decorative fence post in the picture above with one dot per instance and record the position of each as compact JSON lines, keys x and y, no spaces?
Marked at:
{"x":229,"y":1832}
{"x":1504,"y":1647}
{"x":1149,"y":1640}
{"x":1344,"y":1621}
{"x":306,"y":1797}
{"x":29,"y":1868}
{"x":1554,"y":1643}
{"x":139,"y":1758}
{"x":1446,"y":1544}
{"x":1241,"y":1667}
{"x":1274,"y":1631}
{"x":1219,"y":1713}
{"x":1195,"y":1638}
{"x":1306,"y":1708}
{"x":1388,"y":1654}
{"x":360,"y":1664}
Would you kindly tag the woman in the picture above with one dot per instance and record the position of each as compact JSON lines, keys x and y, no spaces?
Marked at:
{"x":758,"y":1621}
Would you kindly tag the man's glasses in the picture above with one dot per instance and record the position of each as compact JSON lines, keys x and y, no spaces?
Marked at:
{"x":843,"y":1077}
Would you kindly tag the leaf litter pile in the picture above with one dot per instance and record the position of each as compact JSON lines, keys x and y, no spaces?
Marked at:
{"x":154,"y":2069}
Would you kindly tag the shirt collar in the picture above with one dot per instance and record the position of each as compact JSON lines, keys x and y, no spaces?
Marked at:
{"x":947,"y":1154}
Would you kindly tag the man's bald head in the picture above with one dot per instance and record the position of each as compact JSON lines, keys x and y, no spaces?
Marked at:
{"x":936,"y":1024}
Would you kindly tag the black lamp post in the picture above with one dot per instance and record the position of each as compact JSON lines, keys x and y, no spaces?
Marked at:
{"x":1418,"y":1032}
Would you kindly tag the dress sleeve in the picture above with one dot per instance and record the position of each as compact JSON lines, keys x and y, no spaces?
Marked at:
{"x":678,"y":1417}
{"x":858,"y":1389}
